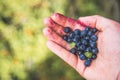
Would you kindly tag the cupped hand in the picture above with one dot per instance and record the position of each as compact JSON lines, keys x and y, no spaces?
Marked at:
{"x":107,"y":64}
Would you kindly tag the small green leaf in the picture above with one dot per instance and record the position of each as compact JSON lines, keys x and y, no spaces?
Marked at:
{"x":72,"y":44}
{"x":88,"y":54}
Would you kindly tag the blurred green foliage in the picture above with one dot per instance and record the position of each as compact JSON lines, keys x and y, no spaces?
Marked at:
{"x":23,"y":51}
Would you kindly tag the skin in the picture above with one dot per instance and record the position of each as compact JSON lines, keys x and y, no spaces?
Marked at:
{"x":107,"y":64}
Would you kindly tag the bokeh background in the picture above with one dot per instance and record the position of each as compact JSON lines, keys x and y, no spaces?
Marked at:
{"x":23,"y":51}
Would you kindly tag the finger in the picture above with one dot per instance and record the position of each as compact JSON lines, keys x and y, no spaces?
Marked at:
{"x":97,"y":21}
{"x":54,"y":26}
{"x":71,"y":59}
{"x":51,"y":35}
{"x":65,"y":21}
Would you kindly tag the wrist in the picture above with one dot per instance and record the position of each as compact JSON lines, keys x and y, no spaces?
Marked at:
{"x":118,"y":76}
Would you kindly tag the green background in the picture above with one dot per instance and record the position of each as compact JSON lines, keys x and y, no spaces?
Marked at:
{"x":23,"y":51}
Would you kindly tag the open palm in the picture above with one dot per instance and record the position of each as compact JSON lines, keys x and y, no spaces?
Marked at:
{"x":107,"y":64}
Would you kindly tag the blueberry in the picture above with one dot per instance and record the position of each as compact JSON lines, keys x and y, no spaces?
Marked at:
{"x":94,"y":56}
{"x":83,"y":41}
{"x":92,"y":44}
{"x":76,"y":39}
{"x":95,"y":50}
{"x":78,"y":44}
{"x":73,"y":50}
{"x":82,"y":56}
{"x":90,"y":33}
{"x":83,"y":33}
{"x":94,"y":37}
{"x":87,"y":62}
{"x":71,"y":35}
{"x":80,"y":52}
{"x":77,"y":31}
{"x":81,"y":48}
{"x":67,"y":30}
{"x":87,"y":37}
{"x":91,"y":41}
{"x":69,"y":40}
{"x":88,"y":49}
{"x":87,"y":28}
{"x":65,"y":37}
{"x":77,"y":36}
{"x":94,"y":30}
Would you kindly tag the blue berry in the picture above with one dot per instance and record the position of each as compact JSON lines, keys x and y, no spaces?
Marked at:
{"x":69,"y":40}
{"x":78,"y":44}
{"x":83,"y":41}
{"x":87,"y":28}
{"x":77,"y":31}
{"x":87,"y":62}
{"x":94,"y":37}
{"x":73,"y":50}
{"x":94,"y":56}
{"x":83,"y":33}
{"x":71,"y":35}
{"x":76,"y":39}
{"x":81,"y":48}
{"x":88,"y":49}
{"x":65,"y":37}
{"x":87,"y":37}
{"x":95,"y":50}
{"x":67,"y":30}
{"x":94,"y":30}
{"x":90,"y":33}
{"x":91,"y":41}
{"x":82,"y":56}
{"x":92,"y":44}
{"x":80,"y":52}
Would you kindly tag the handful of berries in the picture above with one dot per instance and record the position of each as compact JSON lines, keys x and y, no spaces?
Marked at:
{"x":85,"y":45}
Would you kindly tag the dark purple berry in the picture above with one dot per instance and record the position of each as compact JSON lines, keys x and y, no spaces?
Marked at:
{"x":80,"y":52}
{"x":82,"y":56}
{"x":87,"y":38}
{"x":76,"y":31}
{"x":87,"y":28}
{"x":94,"y":30}
{"x":94,"y":56}
{"x":88,"y":49}
{"x":76,"y":39}
{"x":65,"y":37}
{"x":73,"y":50}
{"x":71,"y":35}
{"x":67,"y":30}
{"x":90,"y":33}
{"x":78,"y":44}
{"x":94,"y":37}
{"x":81,"y":48}
{"x":92,"y":44}
{"x":95,"y":51}
{"x":83,"y":41}
{"x":83,"y":33}
{"x":87,"y":62}
{"x":69,"y":40}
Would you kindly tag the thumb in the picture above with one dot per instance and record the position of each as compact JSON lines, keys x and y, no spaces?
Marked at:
{"x":97,"y":21}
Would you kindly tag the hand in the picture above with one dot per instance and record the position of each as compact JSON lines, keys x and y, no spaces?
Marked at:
{"x":107,"y":64}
